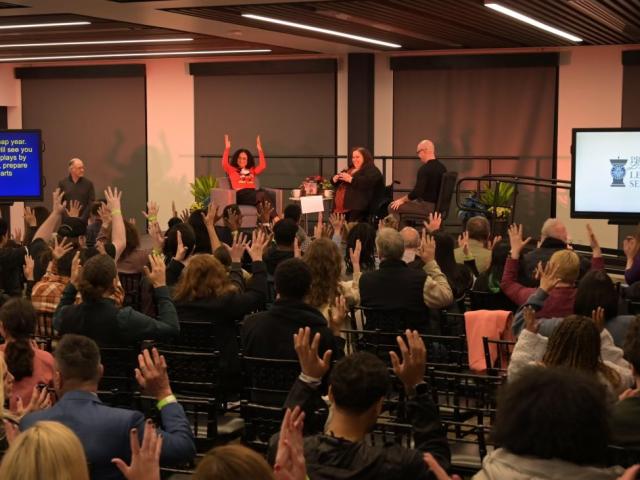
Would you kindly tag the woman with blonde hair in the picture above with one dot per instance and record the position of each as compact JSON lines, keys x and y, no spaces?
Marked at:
{"x":325,"y":262}
{"x":46,"y":451}
{"x":206,"y":292}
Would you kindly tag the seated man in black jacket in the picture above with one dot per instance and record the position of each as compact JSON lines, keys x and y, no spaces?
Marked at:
{"x":358,"y":385}
{"x":284,"y":235}
{"x":268,"y":334}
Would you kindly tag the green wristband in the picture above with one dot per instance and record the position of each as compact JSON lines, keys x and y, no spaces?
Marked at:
{"x":166,"y":401}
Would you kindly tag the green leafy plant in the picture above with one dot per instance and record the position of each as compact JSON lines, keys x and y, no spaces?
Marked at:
{"x":498,"y":200}
{"x":201,"y":189}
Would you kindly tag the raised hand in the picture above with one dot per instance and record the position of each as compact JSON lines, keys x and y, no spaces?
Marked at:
{"x":433,"y":222}
{"x":597,"y":316}
{"x":258,"y":143}
{"x":337,"y":314}
{"x":152,"y":211}
{"x":234,"y":221}
{"x":531,"y":323}
{"x":290,"y":463}
{"x":184,"y":215}
{"x":593,"y":242}
{"x":74,"y":207}
{"x":145,"y":458}
{"x":264,"y":211}
{"x":354,"y":256}
{"x":515,"y":238}
{"x":463,"y":243}
{"x":337,"y":221}
{"x":259,"y":241}
{"x":211,"y":217}
{"x":104,"y":212}
{"x":174,"y":212}
{"x":156,"y":236}
{"x":157,"y":274}
{"x":57,"y":201}
{"x":496,"y":240}
{"x":427,"y":249}
{"x":548,"y":276}
{"x":181,"y":250}
{"x":28,"y":267}
{"x":17,"y":235}
{"x":151,"y":374}
{"x":414,"y":360}
{"x":307,"y":350}
{"x":227,"y":142}
{"x":76,"y":270}
{"x":113,"y":197}
{"x":238,"y":247}
{"x":297,"y":253}
{"x":40,"y":399}
{"x":30,"y":217}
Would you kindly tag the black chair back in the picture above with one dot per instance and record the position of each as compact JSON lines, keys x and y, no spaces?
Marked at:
{"x":118,"y":384}
{"x":195,"y":374}
{"x":447,"y":189}
{"x":196,"y":336}
{"x":504,"y":349}
{"x":267,"y":381}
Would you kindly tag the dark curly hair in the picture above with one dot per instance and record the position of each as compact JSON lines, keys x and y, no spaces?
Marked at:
{"x":250,"y":160}
{"x":18,"y":319}
{"x":553,"y":412}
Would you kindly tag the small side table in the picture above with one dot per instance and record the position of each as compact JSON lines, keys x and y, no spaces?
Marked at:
{"x":327,"y":203}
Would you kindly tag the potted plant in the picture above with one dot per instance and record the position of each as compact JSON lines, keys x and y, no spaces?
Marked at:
{"x":498,"y":200}
{"x":201,"y":191}
{"x":327,"y":188}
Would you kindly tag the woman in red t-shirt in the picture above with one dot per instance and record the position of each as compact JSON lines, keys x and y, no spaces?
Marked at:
{"x":242,"y":172}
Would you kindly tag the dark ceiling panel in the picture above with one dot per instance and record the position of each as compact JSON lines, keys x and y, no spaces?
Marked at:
{"x":439,"y":24}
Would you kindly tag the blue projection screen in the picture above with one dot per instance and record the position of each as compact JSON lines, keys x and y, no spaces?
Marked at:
{"x":20,"y":165}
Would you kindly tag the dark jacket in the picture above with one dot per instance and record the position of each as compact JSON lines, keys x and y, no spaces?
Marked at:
{"x":274,"y":256}
{"x":269,"y":334}
{"x":625,"y":423}
{"x":365,"y":188}
{"x":107,"y":324}
{"x":11,"y":261}
{"x":104,"y":431}
{"x":333,"y":458}
{"x":226,"y":312}
{"x":548,"y":247}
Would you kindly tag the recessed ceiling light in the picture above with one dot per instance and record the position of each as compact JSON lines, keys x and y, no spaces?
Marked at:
{"x":321,"y":30}
{"x":532,"y":21}
{"x":96,"y":42}
{"x":138,"y":54}
{"x":44,"y":25}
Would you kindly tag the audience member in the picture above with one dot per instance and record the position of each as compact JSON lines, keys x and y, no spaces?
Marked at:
{"x":284,"y":236}
{"x":29,"y":365}
{"x":268,"y":334}
{"x":631,"y":248}
{"x":411,"y":239}
{"x":576,"y":344}
{"x":98,"y":316}
{"x":553,"y":237}
{"x":566,"y":265}
{"x":479,"y":232}
{"x":11,"y":262}
{"x":325,"y":264}
{"x":206,"y":293}
{"x":102,"y":430}
{"x":294,"y":212}
{"x":46,"y":450}
{"x":367,"y":236}
{"x":625,"y":416}
{"x":460,"y":277}
{"x":77,"y":188}
{"x":358,"y":385}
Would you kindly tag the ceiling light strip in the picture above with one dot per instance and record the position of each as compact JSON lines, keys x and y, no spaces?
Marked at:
{"x":532,"y":21}
{"x":139,"y":54}
{"x":44,"y":25}
{"x":95,"y":42}
{"x":321,"y":30}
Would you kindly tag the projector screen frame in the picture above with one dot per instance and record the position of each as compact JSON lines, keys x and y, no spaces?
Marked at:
{"x":612,"y":216}
{"x":24,"y":198}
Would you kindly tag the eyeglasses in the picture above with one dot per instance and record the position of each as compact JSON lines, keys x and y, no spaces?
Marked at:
{"x":418,"y":151}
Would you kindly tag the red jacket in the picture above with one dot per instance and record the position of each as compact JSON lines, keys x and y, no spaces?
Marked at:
{"x":560,"y":301}
{"x":246,"y":179}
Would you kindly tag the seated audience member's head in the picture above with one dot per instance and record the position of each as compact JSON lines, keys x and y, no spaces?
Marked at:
{"x":367,"y":236}
{"x":233,"y":462}
{"x":292,"y":279}
{"x":223,"y":256}
{"x":554,"y":228}
{"x":229,"y":211}
{"x":479,"y":229}
{"x":94,"y":210}
{"x":284,"y":233}
{"x":389,"y":244}
{"x":4,"y":232}
{"x":596,"y":289}
{"x":575,"y":343}
{"x":17,"y":326}
{"x":98,"y":279}
{"x":77,"y":364}
{"x":411,"y":239}
{"x":632,"y":346}
{"x":45,"y":447}
{"x":553,"y":413}
{"x":203,"y":277}
{"x":171,"y":242}
{"x":390,"y":221}
{"x":568,"y":264}
{"x":203,"y":244}
{"x":293,"y":212}
{"x":357,"y":387}
{"x":325,"y":264}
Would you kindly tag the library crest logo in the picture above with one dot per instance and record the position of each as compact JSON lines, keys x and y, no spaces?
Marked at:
{"x":622,"y":168}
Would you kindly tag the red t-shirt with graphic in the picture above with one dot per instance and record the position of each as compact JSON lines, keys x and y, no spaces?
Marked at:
{"x":246,"y":177}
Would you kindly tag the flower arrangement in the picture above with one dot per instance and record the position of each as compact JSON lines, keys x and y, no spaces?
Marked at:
{"x":313,"y":183}
{"x":498,"y":201}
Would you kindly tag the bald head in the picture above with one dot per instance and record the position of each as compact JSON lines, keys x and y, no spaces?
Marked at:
{"x":426,"y":150}
{"x":554,"y":228}
{"x":410,"y":237}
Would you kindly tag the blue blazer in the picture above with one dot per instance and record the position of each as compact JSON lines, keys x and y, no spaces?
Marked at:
{"x":104,"y":431}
